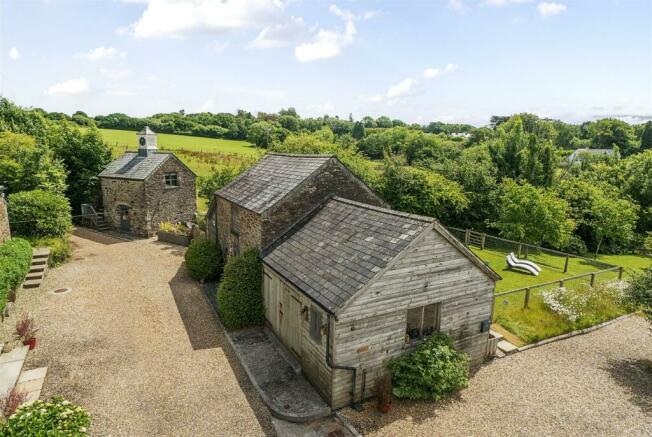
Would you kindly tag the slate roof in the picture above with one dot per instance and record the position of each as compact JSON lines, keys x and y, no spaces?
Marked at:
{"x":578,"y":152}
{"x":341,"y":248}
{"x":132,"y":166}
{"x":271,"y":179}
{"x":146,"y":131}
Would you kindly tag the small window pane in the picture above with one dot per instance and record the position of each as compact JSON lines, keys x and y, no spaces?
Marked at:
{"x":171,"y":180}
{"x":430,"y":319}
{"x":315,"y":325}
{"x":413,"y":329}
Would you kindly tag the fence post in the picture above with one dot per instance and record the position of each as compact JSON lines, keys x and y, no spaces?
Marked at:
{"x":483,"y":238}
{"x":527,"y":298}
{"x":561,"y":283}
{"x":526,"y":251}
{"x":620,"y":273}
{"x":519,"y":249}
{"x":566,"y":265}
{"x":466,"y":237}
{"x":592,"y":279}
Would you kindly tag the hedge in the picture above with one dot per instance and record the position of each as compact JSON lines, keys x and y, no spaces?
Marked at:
{"x":432,"y":371}
{"x":239,"y":295}
{"x":203,"y":260}
{"x":15,"y":261}
{"x":39,"y":213}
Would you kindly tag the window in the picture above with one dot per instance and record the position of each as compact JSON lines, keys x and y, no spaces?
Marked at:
{"x":234,"y":220}
{"x":315,"y":325}
{"x":422,"y":322}
{"x":171,"y":180}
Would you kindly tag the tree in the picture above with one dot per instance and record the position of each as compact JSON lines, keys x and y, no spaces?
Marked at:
{"x":384,"y":121}
{"x":612,"y":218}
{"x":610,"y":132}
{"x":263,"y":133}
{"x":208,"y":185}
{"x":646,"y":137}
{"x":358,"y":130}
{"x":85,"y":155}
{"x":507,"y":150}
{"x":639,"y":292}
{"x":634,"y":175}
{"x":532,"y":215}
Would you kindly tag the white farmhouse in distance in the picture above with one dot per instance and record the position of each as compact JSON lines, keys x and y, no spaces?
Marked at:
{"x":578,"y":155}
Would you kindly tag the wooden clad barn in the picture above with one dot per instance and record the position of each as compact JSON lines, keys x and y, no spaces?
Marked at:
{"x":266,"y":200}
{"x":352,"y":285}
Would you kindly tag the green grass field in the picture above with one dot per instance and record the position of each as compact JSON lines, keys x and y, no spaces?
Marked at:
{"x":537,"y":322}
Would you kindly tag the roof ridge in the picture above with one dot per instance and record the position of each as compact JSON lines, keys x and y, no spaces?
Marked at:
{"x":421,"y":218}
{"x":302,"y":155}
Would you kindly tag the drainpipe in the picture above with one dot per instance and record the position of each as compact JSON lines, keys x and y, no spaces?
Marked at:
{"x":330,"y":363}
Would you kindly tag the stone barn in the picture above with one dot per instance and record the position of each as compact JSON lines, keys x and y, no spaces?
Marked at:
{"x":5,"y":233}
{"x":352,"y":285}
{"x":140,"y":190}
{"x":266,"y":200}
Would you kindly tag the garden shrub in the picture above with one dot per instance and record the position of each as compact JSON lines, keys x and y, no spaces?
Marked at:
{"x":639,"y":292}
{"x":15,"y":261}
{"x":56,"y":417}
{"x":203,"y":260}
{"x":39,"y":213}
{"x":239,"y":295}
{"x":432,"y":371}
{"x":60,"y":248}
{"x":173,"y":228}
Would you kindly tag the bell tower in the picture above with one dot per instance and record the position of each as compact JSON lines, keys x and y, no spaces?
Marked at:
{"x":146,"y":142}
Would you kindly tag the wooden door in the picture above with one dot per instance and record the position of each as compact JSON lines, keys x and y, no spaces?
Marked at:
{"x":294,"y":325}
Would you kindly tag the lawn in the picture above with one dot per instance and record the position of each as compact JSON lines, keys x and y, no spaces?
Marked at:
{"x":202,"y":155}
{"x":537,"y":322}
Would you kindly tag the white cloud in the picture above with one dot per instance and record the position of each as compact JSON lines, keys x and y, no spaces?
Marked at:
{"x":449,"y":68}
{"x":504,"y":2}
{"x":218,"y":47}
{"x":102,"y":53}
{"x":115,"y":73}
{"x":431,"y":73}
{"x":13,"y":53}
{"x":457,"y":5}
{"x":70,"y":87}
{"x":404,"y":88}
{"x":178,"y":18}
{"x":328,"y":43}
{"x":281,"y":34}
{"x":368,"y":15}
{"x":549,"y":9}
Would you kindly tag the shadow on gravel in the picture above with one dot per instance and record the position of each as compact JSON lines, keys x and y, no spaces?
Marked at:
{"x":195,"y":303}
{"x":174,"y":249}
{"x":636,"y":376}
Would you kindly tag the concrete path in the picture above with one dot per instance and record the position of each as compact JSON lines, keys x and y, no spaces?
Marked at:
{"x":277,"y":377}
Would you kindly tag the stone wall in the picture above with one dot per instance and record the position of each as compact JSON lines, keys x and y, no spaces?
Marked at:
{"x":131,"y":193}
{"x":170,"y":204}
{"x":333,"y":179}
{"x":248,"y":232}
{"x":5,"y":233}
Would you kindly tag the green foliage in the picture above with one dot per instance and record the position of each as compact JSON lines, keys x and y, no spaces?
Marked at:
{"x":221,"y":177}
{"x":24,"y":165}
{"x":203,"y":260}
{"x":639,"y":292}
{"x":434,"y":370}
{"x":56,"y":417}
{"x":15,"y":261}
{"x":85,"y":155}
{"x":646,"y":137}
{"x":532,"y":215}
{"x":239,"y":295}
{"x":60,"y":248}
{"x":648,"y":242}
{"x":39,"y":213}
{"x":264,"y":134}
{"x":609,"y":133}
{"x":358,"y":130}
{"x":173,"y":228}
{"x":421,"y":192}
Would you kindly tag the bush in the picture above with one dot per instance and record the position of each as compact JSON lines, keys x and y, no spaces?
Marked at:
{"x":39,"y":213}
{"x":174,"y":228}
{"x":434,"y":370}
{"x":239,"y":295}
{"x":60,"y":248}
{"x":639,"y":292}
{"x":203,"y":260}
{"x":55,"y":417}
{"x":15,"y":261}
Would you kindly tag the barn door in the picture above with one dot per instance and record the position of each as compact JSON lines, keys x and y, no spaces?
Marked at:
{"x":294,"y":325}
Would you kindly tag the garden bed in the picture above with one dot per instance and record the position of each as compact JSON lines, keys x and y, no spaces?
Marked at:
{"x":169,"y":237}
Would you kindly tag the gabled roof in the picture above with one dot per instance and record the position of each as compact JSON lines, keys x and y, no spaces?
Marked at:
{"x":132,"y":166}
{"x":341,"y":248}
{"x":146,"y":131}
{"x":345,"y":245}
{"x":271,"y":179}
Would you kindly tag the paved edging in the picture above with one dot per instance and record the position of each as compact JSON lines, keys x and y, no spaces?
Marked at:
{"x":573,"y":333}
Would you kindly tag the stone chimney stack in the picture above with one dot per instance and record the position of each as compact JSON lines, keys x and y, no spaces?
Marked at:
{"x":146,"y":142}
{"x":5,"y":233}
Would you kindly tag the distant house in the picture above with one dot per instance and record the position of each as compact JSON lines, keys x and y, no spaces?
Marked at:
{"x":353,"y":285}
{"x":267,"y":199}
{"x":579,"y":155}
{"x":140,"y":190}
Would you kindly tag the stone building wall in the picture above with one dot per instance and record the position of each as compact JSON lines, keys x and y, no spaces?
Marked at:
{"x":170,"y":204}
{"x":248,"y":230}
{"x":333,"y":179}
{"x":131,"y":193}
{"x":5,"y":233}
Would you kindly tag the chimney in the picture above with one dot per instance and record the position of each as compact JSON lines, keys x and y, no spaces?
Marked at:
{"x":146,"y":142}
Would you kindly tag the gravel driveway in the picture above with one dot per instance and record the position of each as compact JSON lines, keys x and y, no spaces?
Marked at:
{"x":137,"y":344}
{"x":598,"y":384}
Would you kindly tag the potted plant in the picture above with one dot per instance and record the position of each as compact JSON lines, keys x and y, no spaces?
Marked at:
{"x":26,"y":330}
{"x":175,"y":233}
{"x":384,"y":393}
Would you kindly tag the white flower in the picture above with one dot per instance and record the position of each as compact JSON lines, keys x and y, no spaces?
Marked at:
{"x":82,"y":429}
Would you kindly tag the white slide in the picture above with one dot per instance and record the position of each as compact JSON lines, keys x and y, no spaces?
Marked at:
{"x":528,"y":266}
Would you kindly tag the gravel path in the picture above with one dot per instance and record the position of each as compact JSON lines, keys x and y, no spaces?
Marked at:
{"x":590,"y":385}
{"x":137,"y":344}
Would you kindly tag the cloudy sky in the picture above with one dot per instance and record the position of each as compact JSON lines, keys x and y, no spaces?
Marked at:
{"x":447,"y":60}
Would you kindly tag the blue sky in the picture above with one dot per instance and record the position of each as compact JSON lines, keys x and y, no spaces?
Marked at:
{"x":447,"y":60}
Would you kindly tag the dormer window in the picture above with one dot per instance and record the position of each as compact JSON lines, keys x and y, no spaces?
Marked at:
{"x":171,"y":179}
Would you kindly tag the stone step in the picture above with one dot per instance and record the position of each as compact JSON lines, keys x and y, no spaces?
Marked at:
{"x":40,"y":253}
{"x":32,"y":283}
{"x":11,"y":364}
{"x":507,"y":347}
{"x":35,"y":275}
{"x":31,"y":383}
{"x":37,"y":269}
{"x":39,"y":262}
